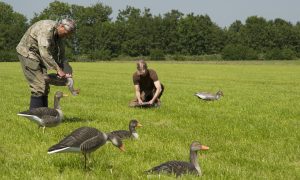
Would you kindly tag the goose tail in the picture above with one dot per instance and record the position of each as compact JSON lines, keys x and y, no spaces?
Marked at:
{"x":30,"y":117}
{"x":57,"y":148}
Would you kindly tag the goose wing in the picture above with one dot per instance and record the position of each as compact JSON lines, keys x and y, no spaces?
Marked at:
{"x":72,"y":142}
{"x":176,"y":167}
{"x":93,"y":143}
{"x":50,"y":121}
{"x":122,"y":134}
{"x":41,"y":111}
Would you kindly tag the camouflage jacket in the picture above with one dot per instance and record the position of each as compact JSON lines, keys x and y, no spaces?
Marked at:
{"x":41,"y":43}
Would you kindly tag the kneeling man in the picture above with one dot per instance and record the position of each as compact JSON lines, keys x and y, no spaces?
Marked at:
{"x":148,"y":88}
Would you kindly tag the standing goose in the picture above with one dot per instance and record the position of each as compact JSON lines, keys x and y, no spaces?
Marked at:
{"x":123,"y":134}
{"x":85,"y":140}
{"x":44,"y":116}
{"x":208,"y":96}
{"x":181,"y":167}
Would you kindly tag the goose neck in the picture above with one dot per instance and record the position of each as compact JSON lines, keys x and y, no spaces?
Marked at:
{"x":56,"y":102}
{"x":194,"y":161}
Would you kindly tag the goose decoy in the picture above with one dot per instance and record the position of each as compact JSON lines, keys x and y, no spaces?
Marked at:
{"x":85,"y":140}
{"x":70,"y":84}
{"x":53,"y":79}
{"x":209,"y":96}
{"x":44,"y":116}
{"x":181,"y":167}
{"x":123,"y":134}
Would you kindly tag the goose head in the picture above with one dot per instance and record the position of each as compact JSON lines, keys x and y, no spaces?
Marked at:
{"x":194,"y":148}
{"x":132,"y":125}
{"x":116,"y":141}
{"x":197,"y":146}
{"x":219,"y":93}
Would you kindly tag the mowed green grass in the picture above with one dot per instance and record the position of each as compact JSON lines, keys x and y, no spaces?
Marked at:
{"x":253,"y":132}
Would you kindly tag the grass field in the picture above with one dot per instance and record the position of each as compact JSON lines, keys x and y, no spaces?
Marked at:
{"x":253,"y":132}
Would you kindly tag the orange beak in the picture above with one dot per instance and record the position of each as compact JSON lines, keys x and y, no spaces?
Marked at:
{"x":203,"y":147}
{"x":65,"y":95}
{"x":122,"y":148}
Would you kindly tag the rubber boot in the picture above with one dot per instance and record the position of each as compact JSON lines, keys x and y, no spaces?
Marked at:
{"x":36,"y":102}
{"x":45,"y":101}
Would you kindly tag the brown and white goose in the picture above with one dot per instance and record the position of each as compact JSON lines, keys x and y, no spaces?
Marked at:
{"x":209,"y":96}
{"x":44,"y":116}
{"x":181,"y":167}
{"x":85,"y":140}
{"x":132,"y":133}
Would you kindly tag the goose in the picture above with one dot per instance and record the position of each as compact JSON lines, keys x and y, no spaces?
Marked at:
{"x":209,"y":96}
{"x":70,"y":84}
{"x":123,"y":134}
{"x":85,"y":140}
{"x":44,"y":116}
{"x":181,"y":167}
{"x":53,"y":79}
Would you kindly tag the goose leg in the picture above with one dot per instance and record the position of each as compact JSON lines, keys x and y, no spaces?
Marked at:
{"x":89,"y":158}
{"x":84,"y":160}
{"x":44,"y":129}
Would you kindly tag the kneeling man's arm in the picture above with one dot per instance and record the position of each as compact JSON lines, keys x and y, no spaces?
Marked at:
{"x":157,"y":92}
{"x":138,"y":94}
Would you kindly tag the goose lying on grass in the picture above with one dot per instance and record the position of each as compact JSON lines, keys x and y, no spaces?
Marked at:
{"x":124,"y":134}
{"x":209,"y":96}
{"x":85,"y":140}
{"x":181,"y":167}
{"x":44,"y":116}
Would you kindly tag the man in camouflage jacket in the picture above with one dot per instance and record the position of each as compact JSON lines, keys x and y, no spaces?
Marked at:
{"x":41,"y":49}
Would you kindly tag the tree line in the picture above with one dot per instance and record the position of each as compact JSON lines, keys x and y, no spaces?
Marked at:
{"x":173,"y":35}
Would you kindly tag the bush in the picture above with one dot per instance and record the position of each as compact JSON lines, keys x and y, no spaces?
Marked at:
{"x":239,"y":52}
{"x":101,"y":55}
{"x":157,"y":54}
{"x":280,"y":54}
{"x":8,"y":56}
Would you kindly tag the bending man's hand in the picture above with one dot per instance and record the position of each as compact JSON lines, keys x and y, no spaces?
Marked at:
{"x":61,"y":73}
{"x":140,"y":101}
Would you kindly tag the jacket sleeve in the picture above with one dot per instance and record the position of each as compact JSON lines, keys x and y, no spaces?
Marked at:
{"x":44,"y":43}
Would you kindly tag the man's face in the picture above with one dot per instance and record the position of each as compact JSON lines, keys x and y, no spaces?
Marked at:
{"x":62,"y":32}
{"x":142,"y":70}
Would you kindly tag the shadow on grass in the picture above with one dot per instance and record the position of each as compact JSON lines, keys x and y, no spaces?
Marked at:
{"x":77,"y":163}
{"x":75,"y":119}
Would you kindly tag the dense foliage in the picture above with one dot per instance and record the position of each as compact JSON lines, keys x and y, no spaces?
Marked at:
{"x":137,"y":32}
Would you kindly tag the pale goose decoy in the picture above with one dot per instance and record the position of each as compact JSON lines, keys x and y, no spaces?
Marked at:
{"x":85,"y":140}
{"x":209,"y":96}
{"x":123,"y":134}
{"x":181,"y":167}
{"x":44,"y":116}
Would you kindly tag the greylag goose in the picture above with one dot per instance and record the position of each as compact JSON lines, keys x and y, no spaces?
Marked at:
{"x":123,"y":134}
{"x":85,"y":140}
{"x":53,"y":79}
{"x":209,"y":96}
{"x":181,"y":167}
{"x":44,"y":116}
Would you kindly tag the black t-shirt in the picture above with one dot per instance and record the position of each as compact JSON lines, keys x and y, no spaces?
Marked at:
{"x":146,"y":82}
